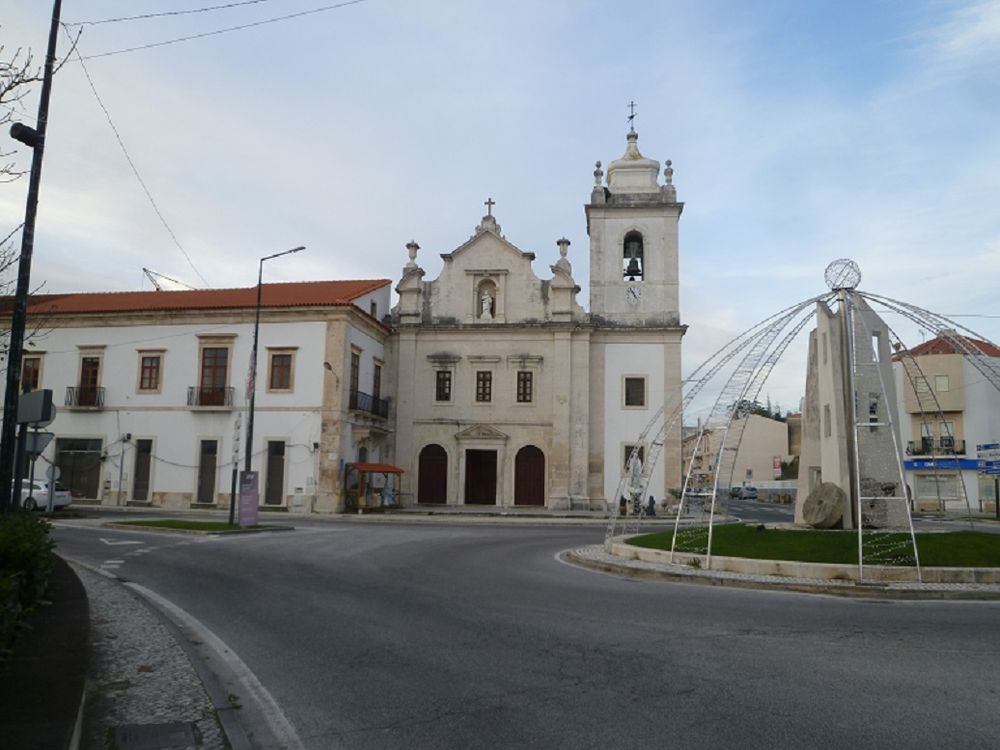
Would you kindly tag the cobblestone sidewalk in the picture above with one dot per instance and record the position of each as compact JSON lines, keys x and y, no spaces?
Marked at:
{"x":142,"y":690}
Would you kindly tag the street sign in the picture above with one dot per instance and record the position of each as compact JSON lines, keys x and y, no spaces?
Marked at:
{"x":988,"y":451}
{"x":248,"y":498}
{"x":36,"y":408}
{"x":988,"y":455}
{"x":35,"y":442}
{"x":53,"y":472}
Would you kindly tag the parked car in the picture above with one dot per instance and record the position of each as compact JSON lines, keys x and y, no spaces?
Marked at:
{"x":35,"y":496}
{"x":748,"y":493}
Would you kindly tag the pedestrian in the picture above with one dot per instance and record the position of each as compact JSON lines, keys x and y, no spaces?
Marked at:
{"x":651,"y":509}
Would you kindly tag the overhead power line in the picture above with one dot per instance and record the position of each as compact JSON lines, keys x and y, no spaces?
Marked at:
{"x":135,"y":171}
{"x":216,"y":32}
{"x":145,"y":16}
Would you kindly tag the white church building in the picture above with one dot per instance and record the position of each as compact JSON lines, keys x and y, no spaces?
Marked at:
{"x":507,"y":393}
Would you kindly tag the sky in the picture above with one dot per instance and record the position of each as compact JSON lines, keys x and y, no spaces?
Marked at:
{"x":800,"y":132}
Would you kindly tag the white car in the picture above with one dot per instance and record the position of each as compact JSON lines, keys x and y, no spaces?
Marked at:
{"x":35,"y":496}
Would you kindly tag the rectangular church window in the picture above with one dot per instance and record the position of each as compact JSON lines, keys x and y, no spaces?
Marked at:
{"x":635,"y":392}
{"x":484,"y":386}
{"x":524,"y":387}
{"x":443,"y":386}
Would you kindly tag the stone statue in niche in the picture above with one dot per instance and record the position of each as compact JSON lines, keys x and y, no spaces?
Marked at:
{"x":486,"y":306}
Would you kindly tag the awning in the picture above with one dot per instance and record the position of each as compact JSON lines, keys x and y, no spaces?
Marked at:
{"x":376,"y":468}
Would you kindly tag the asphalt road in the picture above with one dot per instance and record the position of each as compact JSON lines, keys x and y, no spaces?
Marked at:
{"x":391,"y":635}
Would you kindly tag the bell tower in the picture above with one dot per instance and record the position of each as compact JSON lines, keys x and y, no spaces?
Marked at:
{"x":632,"y":222}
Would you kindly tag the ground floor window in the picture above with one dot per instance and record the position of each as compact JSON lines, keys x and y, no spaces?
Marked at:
{"x":79,"y":462}
{"x":944,"y":485}
{"x":987,"y":489}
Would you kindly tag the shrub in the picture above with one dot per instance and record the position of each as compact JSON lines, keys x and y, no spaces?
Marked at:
{"x":25,"y":564}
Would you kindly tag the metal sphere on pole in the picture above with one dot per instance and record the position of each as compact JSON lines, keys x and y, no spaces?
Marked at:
{"x":248,"y":455}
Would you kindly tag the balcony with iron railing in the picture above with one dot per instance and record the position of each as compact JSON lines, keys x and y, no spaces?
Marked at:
{"x":364,"y":402}
{"x":211,"y":399}
{"x":85,"y":397}
{"x":944,"y":446}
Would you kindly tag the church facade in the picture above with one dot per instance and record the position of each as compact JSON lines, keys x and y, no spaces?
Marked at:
{"x":508,"y":393}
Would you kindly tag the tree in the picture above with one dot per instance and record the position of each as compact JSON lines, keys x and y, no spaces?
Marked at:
{"x":746,"y":407}
{"x":17,"y":72}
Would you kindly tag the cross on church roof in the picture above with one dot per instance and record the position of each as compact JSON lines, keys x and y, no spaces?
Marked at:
{"x":489,"y":203}
{"x":631,"y":116}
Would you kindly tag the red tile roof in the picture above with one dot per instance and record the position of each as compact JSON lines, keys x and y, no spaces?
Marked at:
{"x":941,"y":345}
{"x":290,"y":294}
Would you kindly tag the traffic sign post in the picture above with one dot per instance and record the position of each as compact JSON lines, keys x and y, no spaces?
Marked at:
{"x":988,"y":455}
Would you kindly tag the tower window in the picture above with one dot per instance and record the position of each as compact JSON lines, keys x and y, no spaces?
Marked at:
{"x":632,"y":260}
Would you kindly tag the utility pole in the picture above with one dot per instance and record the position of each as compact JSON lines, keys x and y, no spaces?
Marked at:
{"x":35,"y":138}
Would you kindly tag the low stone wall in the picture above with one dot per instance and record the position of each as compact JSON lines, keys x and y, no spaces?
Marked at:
{"x":794,"y":569}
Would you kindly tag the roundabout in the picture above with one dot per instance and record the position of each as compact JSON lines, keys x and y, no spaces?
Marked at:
{"x":617,"y":556}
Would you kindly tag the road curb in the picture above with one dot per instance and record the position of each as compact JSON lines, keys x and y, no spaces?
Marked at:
{"x":193,"y":532}
{"x":607,"y":563}
{"x":233,"y":732}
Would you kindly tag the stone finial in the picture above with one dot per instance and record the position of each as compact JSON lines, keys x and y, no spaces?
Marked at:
{"x":489,"y":224}
{"x":598,"y":174}
{"x":563,"y":244}
{"x":563,"y":263}
{"x":632,"y":146}
{"x":412,"y":248}
{"x":669,"y":190}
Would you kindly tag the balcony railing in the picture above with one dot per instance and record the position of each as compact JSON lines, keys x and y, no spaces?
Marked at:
{"x":217,"y":397}
{"x":931,"y":447}
{"x":378,"y":407}
{"x":85,"y":397}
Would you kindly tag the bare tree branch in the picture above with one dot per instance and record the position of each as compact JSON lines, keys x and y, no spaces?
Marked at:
{"x":17,"y":72}
{"x":72,"y":47}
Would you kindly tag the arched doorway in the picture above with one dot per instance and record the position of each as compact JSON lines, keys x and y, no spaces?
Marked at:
{"x":529,"y":476}
{"x":432,"y":475}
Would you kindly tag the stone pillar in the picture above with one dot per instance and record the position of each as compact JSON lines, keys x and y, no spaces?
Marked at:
{"x":579,"y":446}
{"x":405,"y":358}
{"x":562,"y":391}
{"x":329,"y":493}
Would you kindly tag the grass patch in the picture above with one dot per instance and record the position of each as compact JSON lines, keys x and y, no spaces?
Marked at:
{"x":184,"y":525}
{"x":965,"y":549}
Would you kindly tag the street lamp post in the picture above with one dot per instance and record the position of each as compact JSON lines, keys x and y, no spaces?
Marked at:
{"x":34,"y":138}
{"x":253,"y":357}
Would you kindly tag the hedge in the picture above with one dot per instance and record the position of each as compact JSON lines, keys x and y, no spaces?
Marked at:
{"x":25,"y":564}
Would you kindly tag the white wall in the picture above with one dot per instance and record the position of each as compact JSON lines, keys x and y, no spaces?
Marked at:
{"x":624,"y":425}
{"x":165,"y":417}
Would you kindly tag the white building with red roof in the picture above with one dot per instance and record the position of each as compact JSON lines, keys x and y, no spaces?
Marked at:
{"x":152,"y":391}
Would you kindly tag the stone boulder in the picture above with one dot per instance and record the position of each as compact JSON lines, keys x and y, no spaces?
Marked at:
{"x":824,"y":508}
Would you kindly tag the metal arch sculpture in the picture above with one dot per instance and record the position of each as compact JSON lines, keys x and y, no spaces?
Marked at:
{"x":752,"y":355}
